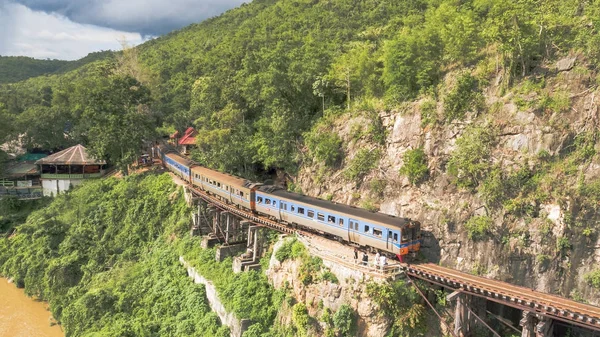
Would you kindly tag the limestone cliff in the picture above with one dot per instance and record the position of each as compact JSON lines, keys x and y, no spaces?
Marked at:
{"x":543,"y":136}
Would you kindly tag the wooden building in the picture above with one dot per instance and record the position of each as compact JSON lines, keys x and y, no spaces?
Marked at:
{"x":68,"y":168}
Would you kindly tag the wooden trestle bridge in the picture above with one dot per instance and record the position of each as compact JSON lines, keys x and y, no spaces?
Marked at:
{"x":539,"y":310}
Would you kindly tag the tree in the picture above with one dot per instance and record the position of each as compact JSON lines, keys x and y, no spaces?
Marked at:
{"x":116,"y":120}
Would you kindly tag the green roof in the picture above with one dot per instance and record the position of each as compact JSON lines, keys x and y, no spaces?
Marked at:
{"x":32,"y":156}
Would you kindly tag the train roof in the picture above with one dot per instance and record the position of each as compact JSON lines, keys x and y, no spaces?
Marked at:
{"x":355,"y":212}
{"x":181,"y":160}
{"x":222,"y":177}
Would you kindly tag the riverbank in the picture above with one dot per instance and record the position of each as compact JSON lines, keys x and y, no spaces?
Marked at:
{"x":23,"y":316}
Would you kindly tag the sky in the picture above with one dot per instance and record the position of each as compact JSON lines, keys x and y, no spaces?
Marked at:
{"x":70,"y":29}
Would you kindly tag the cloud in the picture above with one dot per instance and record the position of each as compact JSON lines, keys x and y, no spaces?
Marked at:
{"x":50,"y":35}
{"x":148,"y":17}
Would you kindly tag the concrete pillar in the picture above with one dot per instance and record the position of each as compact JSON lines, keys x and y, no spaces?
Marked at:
{"x":528,"y":323}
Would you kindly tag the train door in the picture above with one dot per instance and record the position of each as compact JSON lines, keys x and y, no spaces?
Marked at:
{"x":283,"y":209}
{"x":389,"y":242}
{"x":353,"y":231}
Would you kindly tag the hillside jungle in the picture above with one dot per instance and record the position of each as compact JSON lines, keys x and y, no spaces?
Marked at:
{"x":477,"y":118}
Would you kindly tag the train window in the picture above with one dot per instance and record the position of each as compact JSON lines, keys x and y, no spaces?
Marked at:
{"x":300,"y":210}
{"x":274,"y":204}
{"x":259,"y":200}
{"x":241,"y":194}
{"x":395,"y":237}
{"x":367,"y":228}
{"x":267,"y":201}
{"x":341,"y":222}
{"x":331,"y":219}
{"x":320,"y":217}
{"x":377,"y":232}
{"x":283,"y":206}
{"x":310,"y":213}
{"x":218,"y":184}
{"x":293,"y":208}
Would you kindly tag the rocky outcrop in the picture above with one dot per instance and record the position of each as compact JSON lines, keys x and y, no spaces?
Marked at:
{"x":522,"y":250}
{"x":324,"y":294}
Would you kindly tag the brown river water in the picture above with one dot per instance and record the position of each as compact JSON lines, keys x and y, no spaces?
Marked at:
{"x":22,"y":316}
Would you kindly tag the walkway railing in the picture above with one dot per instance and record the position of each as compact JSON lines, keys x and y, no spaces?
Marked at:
{"x":72,"y":176}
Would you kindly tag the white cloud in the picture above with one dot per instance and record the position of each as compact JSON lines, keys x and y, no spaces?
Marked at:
{"x":151,"y":17}
{"x":25,"y":32}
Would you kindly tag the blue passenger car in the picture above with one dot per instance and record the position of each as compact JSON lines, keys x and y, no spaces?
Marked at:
{"x":359,"y":226}
{"x":178,"y":165}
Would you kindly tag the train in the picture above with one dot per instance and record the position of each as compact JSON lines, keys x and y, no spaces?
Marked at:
{"x":374,"y":231}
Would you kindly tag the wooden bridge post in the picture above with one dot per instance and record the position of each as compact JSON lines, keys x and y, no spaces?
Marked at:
{"x":462,"y":326}
{"x":528,"y":323}
{"x":544,"y":328}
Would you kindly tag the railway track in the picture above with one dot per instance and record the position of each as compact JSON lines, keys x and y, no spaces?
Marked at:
{"x":553,"y":306}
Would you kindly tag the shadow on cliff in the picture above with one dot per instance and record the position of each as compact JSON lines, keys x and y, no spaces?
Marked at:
{"x":430,"y":248}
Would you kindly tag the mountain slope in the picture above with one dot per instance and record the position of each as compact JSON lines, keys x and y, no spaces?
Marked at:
{"x":19,"y":68}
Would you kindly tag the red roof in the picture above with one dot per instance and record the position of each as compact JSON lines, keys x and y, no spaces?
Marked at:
{"x":189,"y":138}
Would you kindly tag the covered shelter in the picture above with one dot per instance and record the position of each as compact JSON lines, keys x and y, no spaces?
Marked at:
{"x":188,"y":141}
{"x":69,"y":167}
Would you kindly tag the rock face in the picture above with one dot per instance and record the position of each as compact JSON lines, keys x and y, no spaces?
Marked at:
{"x":528,"y":250}
{"x":236,"y":326}
{"x":317,"y":296}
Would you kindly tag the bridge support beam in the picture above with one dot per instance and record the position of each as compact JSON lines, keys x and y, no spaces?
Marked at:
{"x":528,"y":323}
{"x":469,"y":309}
{"x":535,"y":325}
{"x":544,"y":328}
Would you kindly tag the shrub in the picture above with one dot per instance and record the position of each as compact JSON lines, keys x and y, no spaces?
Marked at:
{"x":478,"y":227}
{"x":492,"y":189}
{"x":362,"y":163}
{"x":563,"y":243}
{"x":415,"y":166}
{"x":344,"y":321}
{"x":469,"y":163}
{"x":329,"y":276}
{"x":369,"y":205}
{"x":542,"y":258}
{"x":428,"y":113}
{"x":378,"y":186}
{"x":300,"y":318}
{"x":463,"y":97}
{"x":324,"y":146}
{"x":291,"y":249}
{"x":593,"y":278}
{"x":310,"y":269}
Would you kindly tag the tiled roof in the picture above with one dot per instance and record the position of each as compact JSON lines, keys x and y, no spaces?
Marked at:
{"x":189,"y":138}
{"x":76,"y":155}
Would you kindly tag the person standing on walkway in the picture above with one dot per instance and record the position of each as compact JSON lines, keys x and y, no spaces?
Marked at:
{"x":376,"y":261}
{"x":365,"y":259}
{"x":355,"y":256}
{"x":383,"y":261}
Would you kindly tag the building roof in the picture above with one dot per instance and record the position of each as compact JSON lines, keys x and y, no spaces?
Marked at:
{"x":76,"y":155}
{"x":21,"y":169}
{"x":189,"y":138}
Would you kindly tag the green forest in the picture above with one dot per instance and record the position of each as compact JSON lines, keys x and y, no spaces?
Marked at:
{"x":255,"y":80}
{"x":19,"y":68}
{"x":104,"y":256}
